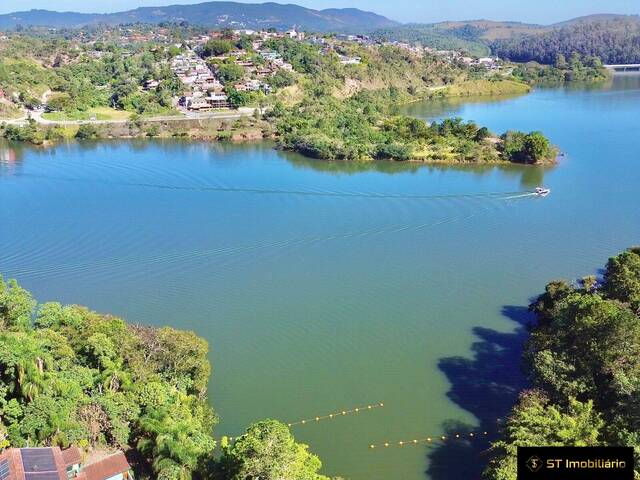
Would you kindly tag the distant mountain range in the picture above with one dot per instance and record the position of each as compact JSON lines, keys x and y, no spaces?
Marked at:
{"x":213,"y":14}
{"x":612,"y":37}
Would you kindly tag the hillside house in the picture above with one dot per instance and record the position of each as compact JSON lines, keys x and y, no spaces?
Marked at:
{"x":52,"y":463}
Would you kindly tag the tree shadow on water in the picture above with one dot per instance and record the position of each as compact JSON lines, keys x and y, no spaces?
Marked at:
{"x":487,"y":386}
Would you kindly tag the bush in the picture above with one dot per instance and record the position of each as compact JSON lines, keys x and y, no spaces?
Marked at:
{"x":520,"y":147}
{"x":393,"y":151}
{"x":55,"y":134}
{"x":87,"y":132}
{"x":153,"y":131}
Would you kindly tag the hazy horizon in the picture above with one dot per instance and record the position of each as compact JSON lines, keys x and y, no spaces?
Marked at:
{"x":544,"y":12}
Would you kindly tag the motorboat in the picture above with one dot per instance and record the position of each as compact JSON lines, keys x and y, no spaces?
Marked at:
{"x":541,"y":191}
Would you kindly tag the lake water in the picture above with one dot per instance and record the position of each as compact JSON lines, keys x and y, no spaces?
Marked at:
{"x":324,"y":286}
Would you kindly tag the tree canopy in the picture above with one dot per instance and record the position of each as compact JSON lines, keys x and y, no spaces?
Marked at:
{"x":268,"y":451}
{"x":583,"y":361}
{"x":72,"y":376}
{"x":612,"y":40}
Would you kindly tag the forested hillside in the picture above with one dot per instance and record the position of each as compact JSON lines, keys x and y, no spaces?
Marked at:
{"x":472,"y":37}
{"x":583,"y":362}
{"x":614,"y":40}
{"x":466,"y":38}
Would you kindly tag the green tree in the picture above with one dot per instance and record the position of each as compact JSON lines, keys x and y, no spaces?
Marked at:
{"x":177,"y":435}
{"x":230,"y":72}
{"x":217,"y":47}
{"x":561,"y":61}
{"x":537,"y":147}
{"x":535,"y":422}
{"x":87,"y":132}
{"x":237,"y":99}
{"x":622,"y":278}
{"x":16,"y":305}
{"x":268,"y":451}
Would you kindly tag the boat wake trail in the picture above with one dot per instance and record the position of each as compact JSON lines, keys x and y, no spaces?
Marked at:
{"x":267,"y":191}
{"x":523,"y":195}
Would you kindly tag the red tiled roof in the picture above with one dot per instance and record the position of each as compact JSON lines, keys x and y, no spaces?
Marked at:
{"x":47,"y":464}
{"x":71,"y":456}
{"x":9,"y":457}
{"x":105,"y":468}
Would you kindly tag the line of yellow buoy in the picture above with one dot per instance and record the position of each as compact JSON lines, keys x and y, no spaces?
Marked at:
{"x":431,"y":440}
{"x":325,"y":417}
{"x":337,"y":414}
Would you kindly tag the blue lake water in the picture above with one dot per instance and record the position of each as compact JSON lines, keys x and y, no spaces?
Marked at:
{"x":324,"y":286}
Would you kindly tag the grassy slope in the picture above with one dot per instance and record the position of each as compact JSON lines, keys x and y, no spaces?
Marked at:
{"x":485,"y":87}
{"x":100,"y":113}
{"x":9,"y":111}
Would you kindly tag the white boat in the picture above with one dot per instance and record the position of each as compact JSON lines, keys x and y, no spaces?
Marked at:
{"x":543,"y":192}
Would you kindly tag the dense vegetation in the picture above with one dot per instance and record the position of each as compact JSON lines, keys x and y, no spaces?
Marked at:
{"x":575,"y":69}
{"x":72,"y":376}
{"x":82,"y":81}
{"x":614,"y":41}
{"x":583,"y":361}
{"x":465,"y":38}
{"x":360,"y":128}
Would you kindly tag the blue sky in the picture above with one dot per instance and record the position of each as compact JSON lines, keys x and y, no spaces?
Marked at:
{"x":539,"y":11}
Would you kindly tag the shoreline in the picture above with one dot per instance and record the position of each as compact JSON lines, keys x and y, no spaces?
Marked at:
{"x":244,"y":126}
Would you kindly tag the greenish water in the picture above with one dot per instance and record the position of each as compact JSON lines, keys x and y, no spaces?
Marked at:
{"x":325,"y":286}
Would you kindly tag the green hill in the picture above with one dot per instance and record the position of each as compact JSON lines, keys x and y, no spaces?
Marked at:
{"x":613,"y":38}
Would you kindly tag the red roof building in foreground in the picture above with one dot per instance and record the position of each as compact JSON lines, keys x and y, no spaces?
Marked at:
{"x":52,"y":463}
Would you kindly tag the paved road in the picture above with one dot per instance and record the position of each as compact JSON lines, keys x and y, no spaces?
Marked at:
{"x":222,"y":115}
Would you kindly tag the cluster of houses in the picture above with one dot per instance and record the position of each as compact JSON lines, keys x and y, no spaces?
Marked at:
{"x":204,"y":90}
{"x":52,"y":463}
{"x":490,"y":63}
